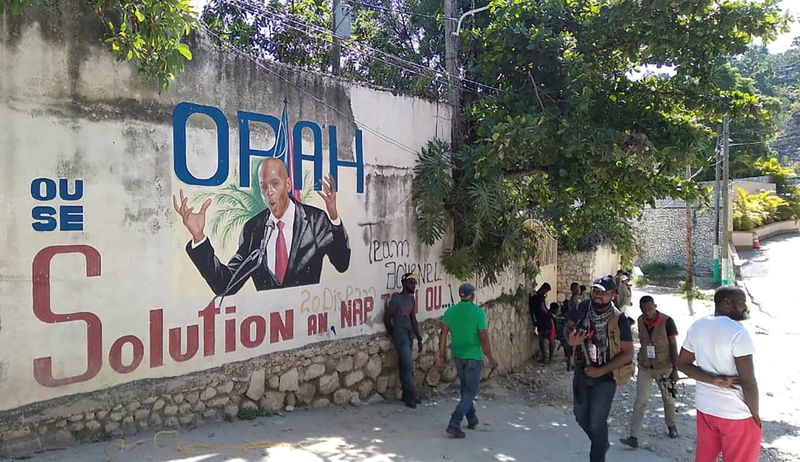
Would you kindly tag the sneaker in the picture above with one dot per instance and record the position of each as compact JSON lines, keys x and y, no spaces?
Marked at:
{"x":456,"y":432}
{"x":473,"y":424}
{"x":417,"y":399}
{"x":410,"y":403}
{"x":631,"y":441}
{"x":673,"y":432}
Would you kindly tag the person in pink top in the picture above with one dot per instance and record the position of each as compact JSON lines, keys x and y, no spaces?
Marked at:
{"x":718,"y":354}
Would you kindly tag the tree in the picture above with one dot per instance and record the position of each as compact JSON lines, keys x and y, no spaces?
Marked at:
{"x":572,"y":136}
{"x":151,"y":33}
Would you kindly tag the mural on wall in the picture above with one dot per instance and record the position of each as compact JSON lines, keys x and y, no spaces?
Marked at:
{"x":293,"y":277}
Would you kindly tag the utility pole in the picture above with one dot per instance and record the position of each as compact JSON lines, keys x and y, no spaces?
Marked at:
{"x":726,"y":209}
{"x":717,"y":173}
{"x":451,"y":65}
{"x":689,"y":277}
{"x":336,"y":52}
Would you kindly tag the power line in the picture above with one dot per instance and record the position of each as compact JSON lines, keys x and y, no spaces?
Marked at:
{"x":396,"y":10}
{"x":288,"y":16}
{"x":258,"y":63}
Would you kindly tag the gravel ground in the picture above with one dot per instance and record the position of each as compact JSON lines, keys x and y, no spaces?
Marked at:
{"x":551,"y":385}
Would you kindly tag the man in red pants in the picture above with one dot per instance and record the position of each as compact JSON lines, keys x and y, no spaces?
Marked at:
{"x":718,"y":354}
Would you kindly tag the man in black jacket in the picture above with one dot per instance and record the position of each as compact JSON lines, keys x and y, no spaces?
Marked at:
{"x":283,"y":246}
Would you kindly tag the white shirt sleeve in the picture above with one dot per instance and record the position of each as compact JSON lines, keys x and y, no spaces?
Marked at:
{"x":194,"y":246}
{"x":742,"y":344}
{"x":688,"y":343}
{"x":336,"y":222}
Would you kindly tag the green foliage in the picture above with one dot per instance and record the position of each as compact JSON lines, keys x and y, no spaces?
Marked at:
{"x":753,"y":210}
{"x":299,"y":33}
{"x":661,"y":270}
{"x":15,"y":7}
{"x":777,"y":173}
{"x":149,"y":33}
{"x":251,"y":414}
{"x":692,"y":292}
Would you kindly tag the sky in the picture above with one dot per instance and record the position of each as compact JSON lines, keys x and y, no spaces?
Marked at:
{"x":785,"y":41}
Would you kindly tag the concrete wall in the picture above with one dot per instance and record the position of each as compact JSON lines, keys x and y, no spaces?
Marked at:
{"x":107,"y":324}
{"x":744,"y":239}
{"x":584,"y":267}
{"x":661,"y":236}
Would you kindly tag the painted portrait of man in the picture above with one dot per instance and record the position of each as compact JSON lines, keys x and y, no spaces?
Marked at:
{"x":282,"y":246}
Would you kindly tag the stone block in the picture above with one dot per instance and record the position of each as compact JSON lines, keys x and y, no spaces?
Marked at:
{"x":345,"y":364}
{"x":192,"y":397}
{"x":314,"y":371}
{"x":219,"y":401}
{"x":141,"y":414}
{"x":171,"y":410}
{"x":208,"y":393}
{"x":158,"y":405}
{"x":365,"y":388}
{"x":360,"y":360}
{"x":433,"y":377}
{"x":381,"y":384}
{"x":328,"y":383}
{"x":342,"y":396}
{"x":305,"y":393}
{"x":289,"y":380}
{"x":272,"y":401}
{"x":225,"y":388}
{"x":255,"y":390}
{"x":353,"y":378}
{"x":231,"y":410}
{"x":320,"y":403}
{"x":93,"y":425}
{"x":374,"y":366}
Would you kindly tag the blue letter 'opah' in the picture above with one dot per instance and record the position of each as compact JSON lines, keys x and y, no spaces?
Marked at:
{"x":180,"y":115}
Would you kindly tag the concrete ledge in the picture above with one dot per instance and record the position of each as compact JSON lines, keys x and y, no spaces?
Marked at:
{"x":744,"y":239}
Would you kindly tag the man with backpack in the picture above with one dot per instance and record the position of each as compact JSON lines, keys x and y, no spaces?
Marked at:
{"x":602,"y":338}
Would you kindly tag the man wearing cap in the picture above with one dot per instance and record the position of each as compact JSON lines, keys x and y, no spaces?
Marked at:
{"x":467,"y":323}
{"x":400,"y":319}
{"x":602,"y":338}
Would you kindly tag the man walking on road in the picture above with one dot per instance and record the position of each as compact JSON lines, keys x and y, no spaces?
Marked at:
{"x":658,"y":361}
{"x":467,"y":323}
{"x":601,"y":336}
{"x":718,"y":354}
{"x":400,"y":319}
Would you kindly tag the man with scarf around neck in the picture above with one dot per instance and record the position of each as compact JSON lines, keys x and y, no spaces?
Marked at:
{"x":658,"y":361}
{"x":718,"y":354}
{"x":602,"y":338}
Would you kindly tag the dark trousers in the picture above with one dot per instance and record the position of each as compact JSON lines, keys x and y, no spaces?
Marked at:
{"x":592,"y":400}
{"x":546,"y":347}
{"x":406,"y":366}
{"x":469,"y":375}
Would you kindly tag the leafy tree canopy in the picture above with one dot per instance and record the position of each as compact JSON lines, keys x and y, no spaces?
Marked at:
{"x":151,"y":33}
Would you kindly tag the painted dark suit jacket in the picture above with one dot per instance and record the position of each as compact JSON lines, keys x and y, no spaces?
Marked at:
{"x":314,"y":237}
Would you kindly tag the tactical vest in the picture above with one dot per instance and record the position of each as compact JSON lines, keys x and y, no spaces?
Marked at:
{"x":624,"y":374}
{"x":658,"y":339}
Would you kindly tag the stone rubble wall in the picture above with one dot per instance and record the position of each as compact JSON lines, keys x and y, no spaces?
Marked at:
{"x":661,"y":237}
{"x":353,"y":371}
{"x":583,"y":268}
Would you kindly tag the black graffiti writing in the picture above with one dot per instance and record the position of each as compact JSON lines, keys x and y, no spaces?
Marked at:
{"x":331,"y":299}
{"x":384,"y":250}
{"x":428,"y":273}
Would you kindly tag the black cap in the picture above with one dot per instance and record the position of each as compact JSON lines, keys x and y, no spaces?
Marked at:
{"x":466,"y":289}
{"x":605,"y":283}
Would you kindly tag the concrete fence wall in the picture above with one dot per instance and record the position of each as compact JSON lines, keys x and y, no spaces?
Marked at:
{"x":112,"y":321}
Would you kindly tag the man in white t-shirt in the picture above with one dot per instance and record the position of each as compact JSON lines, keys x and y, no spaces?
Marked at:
{"x":718,"y":354}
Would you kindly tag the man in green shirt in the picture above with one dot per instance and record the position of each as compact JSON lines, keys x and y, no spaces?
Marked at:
{"x":467,"y":323}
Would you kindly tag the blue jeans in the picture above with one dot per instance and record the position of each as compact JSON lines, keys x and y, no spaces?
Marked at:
{"x":469,"y":374}
{"x":592,"y":400}
{"x":405,"y":361}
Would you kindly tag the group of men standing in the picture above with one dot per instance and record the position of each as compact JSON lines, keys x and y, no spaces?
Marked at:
{"x":717,"y":353}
